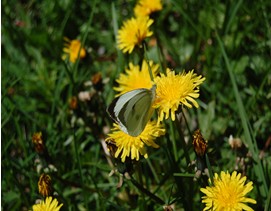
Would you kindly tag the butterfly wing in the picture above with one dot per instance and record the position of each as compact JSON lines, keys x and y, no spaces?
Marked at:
{"x":133,"y":110}
{"x":117,"y":106}
{"x":137,"y":112}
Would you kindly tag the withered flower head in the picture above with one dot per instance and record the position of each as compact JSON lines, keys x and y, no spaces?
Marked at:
{"x":235,"y":143}
{"x":38,"y":142}
{"x":111,"y":146}
{"x":45,"y":185}
{"x":73,"y":103}
{"x":96,"y":78}
{"x":97,"y":81}
{"x":200,"y":145}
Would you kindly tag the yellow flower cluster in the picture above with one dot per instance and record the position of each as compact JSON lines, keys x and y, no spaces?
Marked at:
{"x":136,"y":29}
{"x":228,"y":193}
{"x":172,"y":90}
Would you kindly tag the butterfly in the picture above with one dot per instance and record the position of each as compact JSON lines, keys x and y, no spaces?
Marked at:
{"x":132,"y":110}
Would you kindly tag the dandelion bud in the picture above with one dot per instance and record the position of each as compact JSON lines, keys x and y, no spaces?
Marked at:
{"x":45,"y":185}
{"x":111,"y":146}
{"x":38,"y":142}
{"x":200,"y":145}
{"x":73,"y":103}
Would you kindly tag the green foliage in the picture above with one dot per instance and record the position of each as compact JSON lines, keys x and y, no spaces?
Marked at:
{"x":229,"y":43}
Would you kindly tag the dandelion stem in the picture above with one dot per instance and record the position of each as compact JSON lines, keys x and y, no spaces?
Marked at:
{"x":186,"y":123}
{"x":172,"y":132}
{"x":209,"y":167}
{"x":84,"y":37}
{"x":268,"y":201}
{"x":148,"y":193}
{"x":184,"y":145}
{"x":147,"y":60}
{"x":75,"y":140}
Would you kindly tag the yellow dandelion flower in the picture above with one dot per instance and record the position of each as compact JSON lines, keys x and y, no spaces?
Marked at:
{"x":45,"y":185}
{"x":133,"y":32}
{"x":135,"y":78}
{"x":71,"y":50}
{"x":48,"y":205}
{"x":228,"y":193}
{"x":146,"y":7}
{"x":133,"y":147}
{"x":173,"y":90}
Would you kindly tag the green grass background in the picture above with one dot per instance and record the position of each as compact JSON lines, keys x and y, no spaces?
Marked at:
{"x":228,"y":42}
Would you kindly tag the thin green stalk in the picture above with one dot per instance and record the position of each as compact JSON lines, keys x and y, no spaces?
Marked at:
{"x":156,"y":178}
{"x":24,"y":113}
{"x":75,"y":140}
{"x":84,"y":37}
{"x":147,"y":59}
{"x":148,"y":193}
{"x":57,"y":91}
{"x":268,"y":201}
{"x":187,"y":125}
{"x":267,"y":24}
{"x":182,"y":141}
{"x":252,"y":144}
{"x":68,"y":72}
{"x":183,"y":175}
{"x":179,"y":182}
{"x":66,"y":17}
{"x":120,"y":58}
{"x":189,"y":20}
{"x":233,"y":14}
{"x":153,"y":171}
{"x":19,"y":129}
{"x":209,"y":167}
{"x":173,"y":140}
{"x":140,"y":183}
{"x":160,"y":56}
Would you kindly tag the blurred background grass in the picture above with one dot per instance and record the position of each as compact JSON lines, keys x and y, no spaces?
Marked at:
{"x":37,"y":88}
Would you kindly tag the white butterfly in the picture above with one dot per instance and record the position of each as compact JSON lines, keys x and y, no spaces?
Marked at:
{"x":133,"y":110}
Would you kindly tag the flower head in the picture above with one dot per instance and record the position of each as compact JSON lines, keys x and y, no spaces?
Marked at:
{"x":97,"y":81}
{"x":111,"y":146}
{"x":146,"y":7}
{"x":38,"y":142}
{"x":73,"y":103}
{"x":173,"y":90}
{"x":71,"y":50}
{"x":133,"y":147}
{"x":228,"y":193}
{"x":135,"y":78}
{"x":48,"y":205}
{"x":133,"y":32}
{"x":235,"y":143}
{"x":200,"y":145}
{"x":45,"y":185}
